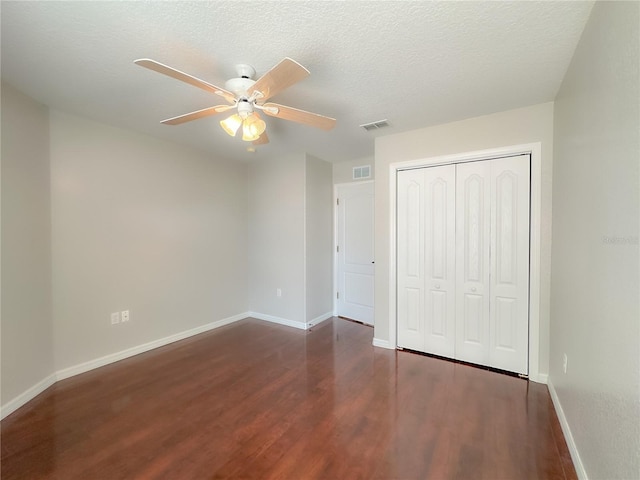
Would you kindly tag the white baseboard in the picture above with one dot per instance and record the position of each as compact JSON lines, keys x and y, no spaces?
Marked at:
{"x":12,"y":405}
{"x":281,"y":321}
{"x":566,"y":430}
{"x":145,"y":347}
{"x":319,"y":319}
{"x":540,"y":378}
{"x":382,"y":344}
{"x":32,"y":392}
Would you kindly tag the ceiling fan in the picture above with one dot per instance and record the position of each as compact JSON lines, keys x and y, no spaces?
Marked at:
{"x":246,"y":96}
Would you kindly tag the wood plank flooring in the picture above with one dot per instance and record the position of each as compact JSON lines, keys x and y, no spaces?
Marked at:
{"x":262,"y":401}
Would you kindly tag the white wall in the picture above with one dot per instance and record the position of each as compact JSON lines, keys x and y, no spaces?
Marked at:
{"x":143,"y":225}
{"x":318,"y":238}
{"x":27,"y":350}
{"x":343,"y":171}
{"x":521,"y":126}
{"x":275,"y":249}
{"x":595,"y":314}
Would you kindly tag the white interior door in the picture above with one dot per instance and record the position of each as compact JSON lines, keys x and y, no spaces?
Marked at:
{"x":354,"y":251}
{"x":426,"y":260}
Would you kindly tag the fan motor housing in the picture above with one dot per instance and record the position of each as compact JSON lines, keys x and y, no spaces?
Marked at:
{"x":241,"y":85}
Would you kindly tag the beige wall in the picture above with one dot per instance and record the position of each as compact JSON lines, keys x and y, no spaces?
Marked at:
{"x":514,"y":127}
{"x":143,"y":225}
{"x":290,"y":238}
{"x":97,"y":220}
{"x":595,"y":313}
{"x":343,"y":171}
{"x":27,"y":349}
{"x":276,"y":237}
{"x":318,"y":238}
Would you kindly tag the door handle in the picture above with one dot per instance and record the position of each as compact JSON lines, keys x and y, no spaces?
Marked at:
{"x":437,"y":286}
{"x":473,"y":289}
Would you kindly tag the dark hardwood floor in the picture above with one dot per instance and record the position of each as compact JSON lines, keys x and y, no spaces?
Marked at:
{"x":258,"y":400}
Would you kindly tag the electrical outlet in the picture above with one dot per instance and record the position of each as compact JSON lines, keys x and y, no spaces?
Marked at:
{"x":565,"y":361}
{"x":124,"y":315}
{"x":278,"y":292}
{"x":115,"y":318}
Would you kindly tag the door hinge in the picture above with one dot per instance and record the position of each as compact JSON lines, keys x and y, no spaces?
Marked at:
{"x":337,"y":201}
{"x":337,"y":248}
{"x":338,"y":295}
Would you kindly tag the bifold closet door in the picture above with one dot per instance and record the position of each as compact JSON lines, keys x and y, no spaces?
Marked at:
{"x":426,"y":260}
{"x":463,"y":261}
{"x":492,"y":258}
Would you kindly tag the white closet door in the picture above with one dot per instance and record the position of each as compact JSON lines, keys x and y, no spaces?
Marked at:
{"x":509,"y":322}
{"x":463,"y":261}
{"x":426,"y":260}
{"x":473,"y":241}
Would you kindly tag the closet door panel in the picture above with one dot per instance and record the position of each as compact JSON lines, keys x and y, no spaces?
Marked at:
{"x":426,"y":260}
{"x":440,"y":260}
{"x":410,"y":261}
{"x":509,"y":319}
{"x":473,"y":230}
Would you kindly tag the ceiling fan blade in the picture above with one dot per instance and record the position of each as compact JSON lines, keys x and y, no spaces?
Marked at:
{"x":300,"y":116}
{"x":262,"y":140}
{"x":185,"y":77}
{"x":283,"y":75}
{"x":205,"y":112}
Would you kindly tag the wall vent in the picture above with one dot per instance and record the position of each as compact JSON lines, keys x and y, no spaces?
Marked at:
{"x":375,"y":125}
{"x":361,"y":172}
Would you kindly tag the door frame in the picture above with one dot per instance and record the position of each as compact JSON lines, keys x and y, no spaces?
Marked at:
{"x":335,"y":239}
{"x":535,"y":234}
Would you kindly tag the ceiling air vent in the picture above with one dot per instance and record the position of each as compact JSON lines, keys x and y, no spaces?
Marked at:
{"x":375,"y":125}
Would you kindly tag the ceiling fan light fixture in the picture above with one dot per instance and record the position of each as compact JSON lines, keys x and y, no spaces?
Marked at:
{"x":249,"y":134}
{"x":248,"y":137}
{"x":231,"y":124}
{"x":255,"y":124}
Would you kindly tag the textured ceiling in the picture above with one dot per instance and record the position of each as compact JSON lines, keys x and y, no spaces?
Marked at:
{"x":415,"y":63}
